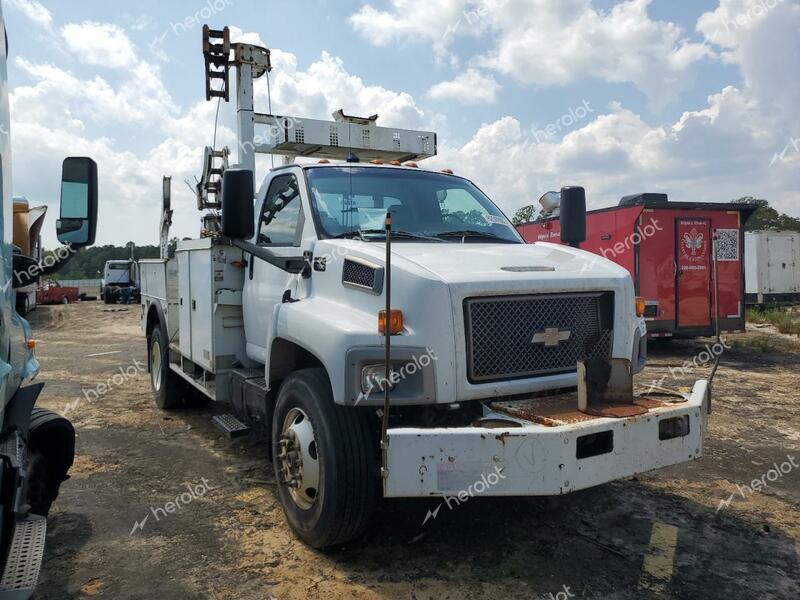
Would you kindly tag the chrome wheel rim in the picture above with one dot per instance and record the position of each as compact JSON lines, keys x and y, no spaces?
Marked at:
{"x":298,"y":459}
{"x":155,"y":365}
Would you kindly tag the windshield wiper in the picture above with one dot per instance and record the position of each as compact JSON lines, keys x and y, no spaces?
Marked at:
{"x":475,"y":233}
{"x":360,"y":233}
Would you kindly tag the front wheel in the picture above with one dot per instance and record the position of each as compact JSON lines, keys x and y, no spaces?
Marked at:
{"x":325,"y":462}
{"x":167,"y":386}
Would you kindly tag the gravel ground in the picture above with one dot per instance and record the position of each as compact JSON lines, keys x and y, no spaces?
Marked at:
{"x":690,"y":531}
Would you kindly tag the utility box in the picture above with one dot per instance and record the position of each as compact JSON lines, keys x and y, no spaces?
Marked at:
{"x":668,"y":248}
{"x":210,"y":280}
{"x":772,"y":262}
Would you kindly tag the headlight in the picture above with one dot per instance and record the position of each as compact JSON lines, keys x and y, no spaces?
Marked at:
{"x":373,"y":378}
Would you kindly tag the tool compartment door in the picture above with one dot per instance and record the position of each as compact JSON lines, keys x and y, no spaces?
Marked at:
{"x":693,"y":272}
{"x":780,"y":264}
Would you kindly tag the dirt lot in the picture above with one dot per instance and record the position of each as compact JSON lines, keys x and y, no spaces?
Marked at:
{"x":658,"y":535}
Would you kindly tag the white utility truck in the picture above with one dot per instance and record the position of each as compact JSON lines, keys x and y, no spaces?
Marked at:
{"x":120,"y":277}
{"x":390,"y":331}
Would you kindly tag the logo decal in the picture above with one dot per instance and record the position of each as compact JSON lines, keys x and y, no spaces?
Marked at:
{"x":551,"y":336}
{"x":694,"y":245}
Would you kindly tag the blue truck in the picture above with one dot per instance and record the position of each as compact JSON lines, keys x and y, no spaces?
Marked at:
{"x":36,"y":445}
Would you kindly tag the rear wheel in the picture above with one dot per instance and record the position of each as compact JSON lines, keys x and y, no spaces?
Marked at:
{"x":108,"y":297}
{"x":65,"y":300}
{"x":168,"y":388}
{"x":325,"y":462}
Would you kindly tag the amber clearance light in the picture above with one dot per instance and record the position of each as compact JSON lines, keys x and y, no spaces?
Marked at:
{"x":640,"y":306}
{"x":395,"y":322}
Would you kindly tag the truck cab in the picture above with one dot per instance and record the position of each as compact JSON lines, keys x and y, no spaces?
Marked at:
{"x":120,"y":279}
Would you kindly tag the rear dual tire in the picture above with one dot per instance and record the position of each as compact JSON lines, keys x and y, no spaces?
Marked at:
{"x":326,"y":461}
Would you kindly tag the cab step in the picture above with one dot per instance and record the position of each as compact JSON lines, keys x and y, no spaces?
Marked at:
{"x":230,"y":425}
{"x":24,"y":560}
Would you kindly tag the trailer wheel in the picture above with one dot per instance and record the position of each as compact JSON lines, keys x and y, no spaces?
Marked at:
{"x":166,"y":385}
{"x":325,"y":462}
{"x":51,"y":452}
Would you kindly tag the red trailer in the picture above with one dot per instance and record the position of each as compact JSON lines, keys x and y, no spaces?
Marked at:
{"x":666,"y":246}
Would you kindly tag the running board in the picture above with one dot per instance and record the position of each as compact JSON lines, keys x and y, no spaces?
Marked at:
{"x":229,"y":425}
{"x":24,"y":559}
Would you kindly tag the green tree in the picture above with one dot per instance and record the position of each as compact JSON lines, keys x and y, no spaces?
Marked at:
{"x":526,"y":214}
{"x":767,"y":218}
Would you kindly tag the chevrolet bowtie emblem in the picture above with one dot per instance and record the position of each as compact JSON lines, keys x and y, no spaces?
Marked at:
{"x":551,"y":336}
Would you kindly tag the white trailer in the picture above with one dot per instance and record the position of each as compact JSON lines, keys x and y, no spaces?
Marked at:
{"x":390,"y":332}
{"x":772,"y":267}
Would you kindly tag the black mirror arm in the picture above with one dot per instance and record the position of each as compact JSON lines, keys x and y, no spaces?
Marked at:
{"x":290,"y":264}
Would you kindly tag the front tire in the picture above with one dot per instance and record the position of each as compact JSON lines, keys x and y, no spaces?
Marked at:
{"x":51,"y":453}
{"x":167,"y":386}
{"x":325,"y":462}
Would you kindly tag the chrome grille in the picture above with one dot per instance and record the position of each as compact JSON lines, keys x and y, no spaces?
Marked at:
{"x":501,"y":330}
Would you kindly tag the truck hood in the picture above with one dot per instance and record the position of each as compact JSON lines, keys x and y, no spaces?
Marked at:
{"x":468,"y":263}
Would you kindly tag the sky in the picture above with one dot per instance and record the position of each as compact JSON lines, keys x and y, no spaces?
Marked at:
{"x":697,"y":99}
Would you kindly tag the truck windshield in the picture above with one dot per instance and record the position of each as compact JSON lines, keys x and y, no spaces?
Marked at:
{"x":353,"y":201}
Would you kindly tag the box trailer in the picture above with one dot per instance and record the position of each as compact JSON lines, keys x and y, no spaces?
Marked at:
{"x":772,"y":263}
{"x":667,"y":248}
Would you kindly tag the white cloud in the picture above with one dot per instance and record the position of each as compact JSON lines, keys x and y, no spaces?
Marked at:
{"x":57,"y":114}
{"x":546,"y":43}
{"x":469,"y":87}
{"x":101,"y":44}
{"x":34,"y":11}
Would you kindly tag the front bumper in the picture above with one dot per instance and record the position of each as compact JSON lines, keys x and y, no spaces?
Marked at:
{"x":539,"y":460}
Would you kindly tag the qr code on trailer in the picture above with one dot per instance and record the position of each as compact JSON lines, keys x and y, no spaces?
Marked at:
{"x":727,"y":244}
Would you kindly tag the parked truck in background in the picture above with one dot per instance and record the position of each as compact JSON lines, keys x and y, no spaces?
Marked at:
{"x":120,"y":281}
{"x":28,"y":242}
{"x":36,"y":445}
{"x":773,"y":267}
{"x":389,"y":330}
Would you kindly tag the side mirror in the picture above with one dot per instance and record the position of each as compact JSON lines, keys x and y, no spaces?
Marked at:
{"x":237,"y":204}
{"x":573,"y":215}
{"x":78,"y":214}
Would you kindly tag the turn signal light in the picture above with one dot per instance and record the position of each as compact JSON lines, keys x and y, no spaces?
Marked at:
{"x":31,"y":344}
{"x":640,"y":306}
{"x":395,"y":322}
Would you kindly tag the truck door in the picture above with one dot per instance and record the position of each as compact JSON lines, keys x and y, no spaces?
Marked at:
{"x":279,"y":228}
{"x":693,"y":272}
{"x":780,"y":264}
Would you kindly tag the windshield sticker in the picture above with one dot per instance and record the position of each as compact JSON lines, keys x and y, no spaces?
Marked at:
{"x":495,"y":220}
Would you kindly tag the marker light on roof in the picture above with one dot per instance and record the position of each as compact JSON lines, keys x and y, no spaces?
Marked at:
{"x":413,"y":165}
{"x":324,"y":161}
{"x":377,"y":161}
{"x":447,"y":171}
{"x":396,"y":163}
